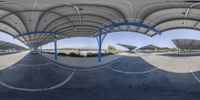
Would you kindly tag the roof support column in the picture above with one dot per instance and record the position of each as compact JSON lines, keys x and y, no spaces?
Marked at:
{"x":190,"y":49}
{"x":129,"y":50}
{"x":100,"y":40}
{"x":55,"y":50}
{"x":100,"y":45}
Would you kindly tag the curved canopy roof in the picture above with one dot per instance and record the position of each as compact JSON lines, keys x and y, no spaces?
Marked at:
{"x":149,"y":47}
{"x":187,"y":44}
{"x":130,"y":47}
{"x":6,"y":45}
{"x":36,"y":22}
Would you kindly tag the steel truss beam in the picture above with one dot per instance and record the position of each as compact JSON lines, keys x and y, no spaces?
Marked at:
{"x":138,"y":24}
{"x":31,"y":33}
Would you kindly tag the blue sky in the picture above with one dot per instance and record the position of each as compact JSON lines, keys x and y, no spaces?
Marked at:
{"x":131,"y":38}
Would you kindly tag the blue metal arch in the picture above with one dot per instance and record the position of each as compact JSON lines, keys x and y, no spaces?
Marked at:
{"x":138,"y":24}
{"x":30,"y":33}
{"x":113,"y":25}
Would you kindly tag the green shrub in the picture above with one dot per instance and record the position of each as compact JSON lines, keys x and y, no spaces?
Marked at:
{"x":92,"y":54}
{"x":49,"y":52}
{"x":111,"y":48}
{"x":72,"y":54}
{"x":62,"y":54}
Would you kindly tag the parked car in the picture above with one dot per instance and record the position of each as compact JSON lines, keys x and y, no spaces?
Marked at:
{"x":34,"y":52}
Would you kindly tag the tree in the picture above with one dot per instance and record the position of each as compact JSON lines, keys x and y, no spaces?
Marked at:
{"x":111,"y":48}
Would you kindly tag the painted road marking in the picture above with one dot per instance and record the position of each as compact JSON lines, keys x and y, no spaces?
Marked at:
{"x":142,"y":72}
{"x":33,"y":64}
{"x":39,"y":89}
{"x":124,"y":72}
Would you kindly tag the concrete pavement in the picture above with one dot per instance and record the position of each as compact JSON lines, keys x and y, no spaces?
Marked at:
{"x":10,"y":59}
{"x":173,"y":64}
{"x":35,"y":73}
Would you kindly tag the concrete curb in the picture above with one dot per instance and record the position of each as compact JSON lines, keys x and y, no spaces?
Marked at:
{"x":82,"y":68}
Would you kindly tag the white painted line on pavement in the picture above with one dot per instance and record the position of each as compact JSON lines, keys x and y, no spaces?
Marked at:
{"x":33,"y":64}
{"x":124,"y":72}
{"x":195,"y":76}
{"x":39,"y":89}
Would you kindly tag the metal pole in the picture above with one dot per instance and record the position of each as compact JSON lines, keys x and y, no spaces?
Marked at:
{"x":179,"y":50}
{"x":100,"y":43}
{"x":55,"y":50}
{"x":41,"y":49}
